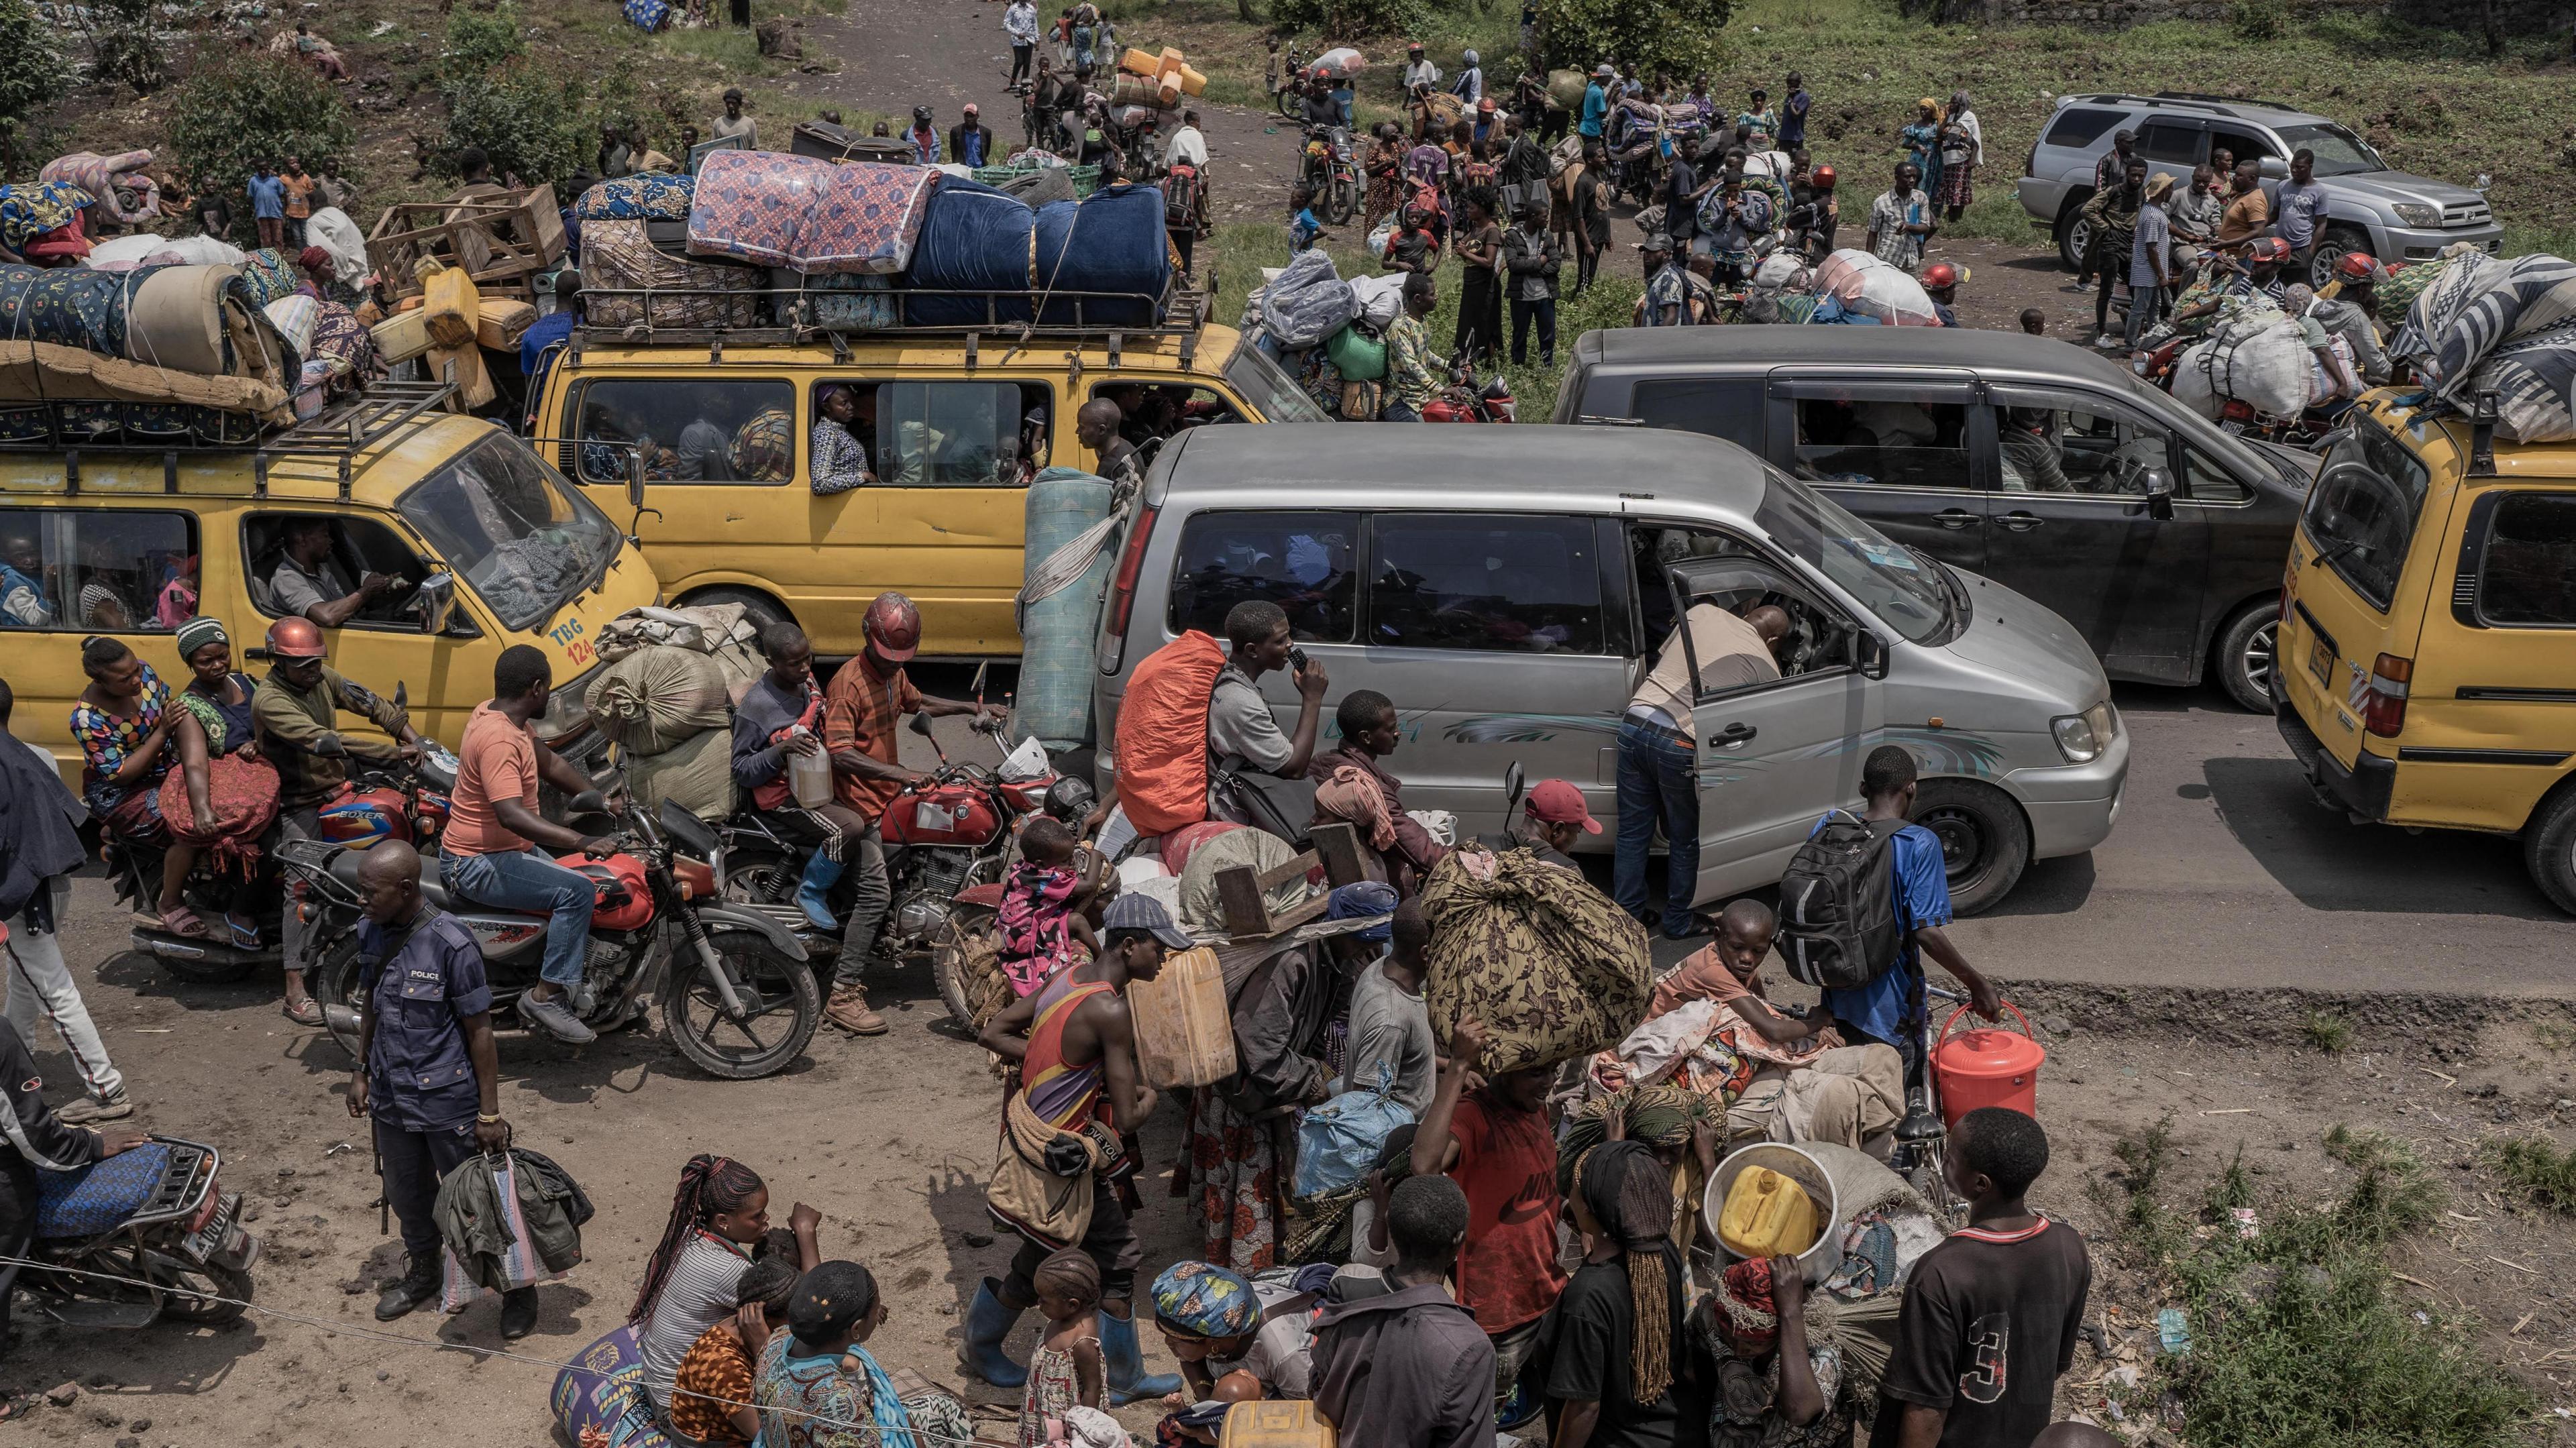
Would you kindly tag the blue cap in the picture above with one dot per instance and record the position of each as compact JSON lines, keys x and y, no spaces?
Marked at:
{"x":1144,"y":912}
{"x":1360,"y":901}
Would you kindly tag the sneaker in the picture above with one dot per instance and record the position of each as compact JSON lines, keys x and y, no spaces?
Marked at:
{"x":556,"y":1019}
{"x":848,"y":1009}
{"x":92,"y":1109}
{"x":2106,"y":341}
{"x":406,"y":1296}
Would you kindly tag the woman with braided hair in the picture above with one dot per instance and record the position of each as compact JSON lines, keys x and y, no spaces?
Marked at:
{"x":719,"y":1215}
{"x":1620,"y":1372}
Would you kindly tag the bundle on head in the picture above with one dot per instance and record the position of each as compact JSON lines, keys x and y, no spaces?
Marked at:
{"x":1628,"y":1192}
{"x":709,"y":1184}
{"x":1661,"y":1115}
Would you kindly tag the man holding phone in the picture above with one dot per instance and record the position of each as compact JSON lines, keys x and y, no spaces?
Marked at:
{"x":1242,"y":736}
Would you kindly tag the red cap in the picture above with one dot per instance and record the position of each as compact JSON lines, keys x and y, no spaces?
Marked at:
{"x":1559,"y":803}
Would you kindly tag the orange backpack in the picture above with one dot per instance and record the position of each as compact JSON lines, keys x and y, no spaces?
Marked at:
{"x":1162,"y":735}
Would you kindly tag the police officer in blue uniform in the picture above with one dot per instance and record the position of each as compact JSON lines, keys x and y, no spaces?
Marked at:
{"x":430,"y":1077}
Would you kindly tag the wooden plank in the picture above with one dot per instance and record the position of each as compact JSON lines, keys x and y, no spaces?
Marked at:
{"x":1278,"y":875}
{"x":1238,"y":896}
{"x":1339,"y":844}
{"x":1290,"y":919}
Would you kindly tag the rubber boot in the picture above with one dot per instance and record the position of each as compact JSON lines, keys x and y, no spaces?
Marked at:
{"x":812,"y":895}
{"x":989,"y":1321}
{"x":1124,"y":1359}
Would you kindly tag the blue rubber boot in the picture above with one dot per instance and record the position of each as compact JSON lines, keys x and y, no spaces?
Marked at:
{"x":1125,"y":1360}
{"x":812,"y":895}
{"x":988,"y":1322}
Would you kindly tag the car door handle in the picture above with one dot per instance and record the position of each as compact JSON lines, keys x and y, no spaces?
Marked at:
{"x":1954,"y":517}
{"x":2020,"y":521}
{"x":1733,"y":735}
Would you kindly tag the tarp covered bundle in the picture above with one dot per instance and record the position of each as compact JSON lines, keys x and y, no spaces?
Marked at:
{"x":125,"y":191}
{"x":2486,"y":324}
{"x":192,"y":319}
{"x":617,"y":256}
{"x":978,"y":239}
{"x":1552,"y":967}
{"x":808,"y":214}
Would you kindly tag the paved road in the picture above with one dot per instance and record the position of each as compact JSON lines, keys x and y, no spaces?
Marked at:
{"x":2222,"y":871}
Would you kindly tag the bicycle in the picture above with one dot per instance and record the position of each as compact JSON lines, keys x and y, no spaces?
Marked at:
{"x":1922,"y":1141}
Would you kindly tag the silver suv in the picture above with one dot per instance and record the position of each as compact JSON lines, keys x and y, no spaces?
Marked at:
{"x":2394,"y":216}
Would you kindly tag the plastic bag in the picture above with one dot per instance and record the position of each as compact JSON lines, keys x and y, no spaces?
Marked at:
{"x":1381,"y":298}
{"x":1339,"y":1141}
{"x":1307,"y":302}
{"x":1870,"y":287}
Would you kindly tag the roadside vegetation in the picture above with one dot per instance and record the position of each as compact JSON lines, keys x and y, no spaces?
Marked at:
{"x":2292,"y":1329}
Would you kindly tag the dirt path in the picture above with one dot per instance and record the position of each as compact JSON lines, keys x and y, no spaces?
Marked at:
{"x":897,"y":54}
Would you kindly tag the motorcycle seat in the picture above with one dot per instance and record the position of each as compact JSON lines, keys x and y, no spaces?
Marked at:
{"x":344,"y":868}
{"x":99,"y":1197}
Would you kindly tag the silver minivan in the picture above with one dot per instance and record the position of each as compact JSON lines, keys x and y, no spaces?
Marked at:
{"x":1508,"y":587}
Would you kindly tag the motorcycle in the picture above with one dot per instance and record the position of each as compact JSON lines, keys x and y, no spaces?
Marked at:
{"x":387,"y":800}
{"x":1464,"y":401}
{"x":1332,"y":171}
{"x":1288,"y":91}
{"x":948,"y":842}
{"x":658,"y":933}
{"x":145,"y":1235}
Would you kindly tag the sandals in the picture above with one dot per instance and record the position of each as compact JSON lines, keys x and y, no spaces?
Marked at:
{"x":309,"y":1013}
{"x":181,"y":921}
{"x":245,"y":933}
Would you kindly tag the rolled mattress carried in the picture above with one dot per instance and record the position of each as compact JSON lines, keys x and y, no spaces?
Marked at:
{"x":974,"y":238}
{"x":1110,"y":241}
{"x":812,"y":215}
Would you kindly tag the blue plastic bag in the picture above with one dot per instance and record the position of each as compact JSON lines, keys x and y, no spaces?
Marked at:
{"x":1338,"y":1142}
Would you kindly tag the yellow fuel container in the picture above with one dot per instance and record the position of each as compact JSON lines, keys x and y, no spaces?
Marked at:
{"x":1767,"y":1215}
{"x":1274,"y":1423}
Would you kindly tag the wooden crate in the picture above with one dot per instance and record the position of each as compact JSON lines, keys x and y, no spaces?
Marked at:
{"x":502,"y":239}
{"x":1242,"y":892}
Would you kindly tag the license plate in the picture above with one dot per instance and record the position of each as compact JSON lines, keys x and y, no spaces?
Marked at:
{"x":210,"y":1239}
{"x":2321,"y":662}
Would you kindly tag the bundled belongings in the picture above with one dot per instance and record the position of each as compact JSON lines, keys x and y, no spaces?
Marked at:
{"x":827,"y":142}
{"x":974,"y":240}
{"x":1307,"y":302}
{"x":125,"y":191}
{"x":31,"y":213}
{"x":1866,"y":286}
{"x":37,"y":372}
{"x":1174,"y":78}
{"x":814,"y":216}
{"x":979,"y":241}
{"x":144,"y":248}
{"x":506,"y":1220}
{"x":271,"y":275}
{"x":1068,"y":513}
{"x":2478,"y":307}
{"x":1112,"y":241}
{"x":669,"y":713}
{"x":2259,"y":357}
{"x":339,"y":237}
{"x":1162,"y":746}
{"x":191,"y":319}
{"x":617,"y":257}
{"x":2534,"y":379}
{"x":1552,"y":967}
{"x":644,"y":196}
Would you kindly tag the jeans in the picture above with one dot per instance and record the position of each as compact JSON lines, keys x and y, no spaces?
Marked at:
{"x":863,"y":864}
{"x":1544,"y":310}
{"x":40,"y":981}
{"x":2146,"y":302}
{"x":527,"y":880}
{"x":1395,"y":411}
{"x":1020,"y":56}
{"x":414,"y":1164}
{"x":1658,"y":779}
{"x":296,"y":824}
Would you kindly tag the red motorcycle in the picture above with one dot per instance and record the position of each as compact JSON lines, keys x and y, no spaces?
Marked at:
{"x":735,"y":992}
{"x":1464,"y":401}
{"x":948,"y":840}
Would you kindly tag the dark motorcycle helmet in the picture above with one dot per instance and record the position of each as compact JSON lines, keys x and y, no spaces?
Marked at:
{"x":1070,"y":799}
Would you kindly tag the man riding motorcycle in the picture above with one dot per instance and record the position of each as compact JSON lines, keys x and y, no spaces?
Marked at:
{"x":779,"y":717}
{"x":297,"y":707}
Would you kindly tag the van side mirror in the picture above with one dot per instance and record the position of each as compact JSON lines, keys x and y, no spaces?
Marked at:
{"x":635,"y":478}
{"x":402,"y":694}
{"x":437,"y":594}
{"x":1514,"y":780}
{"x":2159,"y":495}
{"x":1873,"y":655}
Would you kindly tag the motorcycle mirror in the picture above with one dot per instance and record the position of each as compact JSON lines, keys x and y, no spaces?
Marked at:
{"x":589,"y":801}
{"x":1513,"y":781}
{"x":330,"y":746}
{"x":402,"y":693}
{"x":921,"y":725}
{"x":980,"y":671}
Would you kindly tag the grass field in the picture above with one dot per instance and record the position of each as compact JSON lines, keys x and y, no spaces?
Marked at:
{"x":2432,"y":101}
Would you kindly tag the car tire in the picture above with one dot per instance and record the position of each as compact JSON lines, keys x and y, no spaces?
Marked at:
{"x":2074,"y":233}
{"x":2245,"y":655}
{"x":2549,"y":848}
{"x":2339,"y":241}
{"x":1985,"y":839}
{"x":759,"y":607}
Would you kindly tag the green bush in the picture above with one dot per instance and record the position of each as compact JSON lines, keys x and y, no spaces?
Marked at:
{"x":32,"y":71}
{"x":527,"y":121}
{"x":124,"y":44}
{"x":477,"y":41}
{"x":1678,"y":36}
{"x":2259,"y":20}
{"x":244,"y":107}
{"x":1339,"y":20}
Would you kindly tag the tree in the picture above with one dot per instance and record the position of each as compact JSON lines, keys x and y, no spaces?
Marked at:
{"x":476,"y":42}
{"x":32,"y":71}
{"x":527,"y":121}
{"x":1680,"y":36}
{"x":245,"y":107}
{"x":124,"y":43}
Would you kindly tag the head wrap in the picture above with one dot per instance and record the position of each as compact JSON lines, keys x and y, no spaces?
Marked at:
{"x":1958,"y":100}
{"x":1201,"y":1299}
{"x":1928,"y":104}
{"x":1359,"y":902}
{"x":198,"y":632}
{"x":311,"y":257}
{"x":1746,"y":1312}
{"x":1659,"y":1115}
{"x":1630,"y":1194}
{"x":1071,"y":1272}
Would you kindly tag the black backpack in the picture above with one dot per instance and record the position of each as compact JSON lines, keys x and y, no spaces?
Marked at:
{"x":1838,"y":926}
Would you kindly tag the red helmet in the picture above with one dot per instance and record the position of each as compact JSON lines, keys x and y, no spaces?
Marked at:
{"x":2268,"y":248}
{"x":893,"y":627}
{"x":1823,"y":177}
{"x":295,"y":638}
{"x":2358,"y":266}
{"x":1940,"y":276}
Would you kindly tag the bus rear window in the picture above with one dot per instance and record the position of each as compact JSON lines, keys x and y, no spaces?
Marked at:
{"x":2360,"y":515}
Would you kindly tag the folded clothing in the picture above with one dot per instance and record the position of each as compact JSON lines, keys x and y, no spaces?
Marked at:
{"x":30,"y":211}
{"x":644,"y":196}
{"x":809,"y":214}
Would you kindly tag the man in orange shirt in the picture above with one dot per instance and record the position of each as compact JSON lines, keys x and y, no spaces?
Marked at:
{"x":490,"y":852}
{"x":861,"y":710}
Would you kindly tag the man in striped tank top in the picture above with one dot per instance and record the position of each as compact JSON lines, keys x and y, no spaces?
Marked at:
{"x":1076,"y":1049}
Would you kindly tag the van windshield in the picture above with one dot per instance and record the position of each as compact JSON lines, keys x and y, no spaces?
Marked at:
{"x":1271,"y":391}
{"x":2361,"y":513}
{"x":511,"y":529}
{"x":1890,"y":580}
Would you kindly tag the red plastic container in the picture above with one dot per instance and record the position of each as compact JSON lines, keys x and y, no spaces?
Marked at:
{"x":1987,"y":1066}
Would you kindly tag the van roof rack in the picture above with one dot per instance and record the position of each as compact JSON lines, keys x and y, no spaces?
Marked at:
{"x":2221,"y":104}
{"x":1183,"y":307}
{"x":337,"y":434}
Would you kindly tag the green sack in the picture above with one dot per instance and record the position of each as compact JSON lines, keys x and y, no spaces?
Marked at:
{"x":1356,"y":355}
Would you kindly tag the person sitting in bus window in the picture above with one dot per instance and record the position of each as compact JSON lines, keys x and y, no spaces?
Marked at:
{"x":309,"y":581}
{"x":840,"y":456}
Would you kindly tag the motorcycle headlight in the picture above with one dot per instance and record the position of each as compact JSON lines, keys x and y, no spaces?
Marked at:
{"x":2415,"y":213}
{"x":2083,"y":737}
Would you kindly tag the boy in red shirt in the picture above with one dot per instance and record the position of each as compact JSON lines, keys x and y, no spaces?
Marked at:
{"x":1495,"y":1143}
